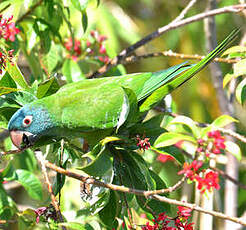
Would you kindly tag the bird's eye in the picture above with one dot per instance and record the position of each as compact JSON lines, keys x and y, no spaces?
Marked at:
{"x":27,"y":121}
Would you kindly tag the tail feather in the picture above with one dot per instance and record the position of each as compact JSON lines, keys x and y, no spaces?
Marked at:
{"x":172,"y":84}
{"x":160,"y":78}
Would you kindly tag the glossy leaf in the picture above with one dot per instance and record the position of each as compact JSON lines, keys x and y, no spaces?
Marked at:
{"x":80,"y":5}
{"x":73,"y":225}
{"x":30,"y":182}
{"x":100,"y":164}
{"x":223,"y":120}
{"x":71,"y":71}
{"x":175,"y":152}
{"x":109,"y":213}
{"x":84,"y":20}
{"x":228,"y":77}
{"x":51,"y":58}
{"x":7,"y":206}
{"x":234,"y":49}
{"x":7,"y":90}
{"x":241,"y":91}
{"x":169,"y":138}
{"x":47,"y":88}
{"x":7,"y":81}
{"x":240,"y":67}
{"x":186,"y":121}
{"x":233,"y":149}
{"x":16,"y":75}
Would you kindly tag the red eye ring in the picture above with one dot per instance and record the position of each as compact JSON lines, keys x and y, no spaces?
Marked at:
{"x":27,"y":121}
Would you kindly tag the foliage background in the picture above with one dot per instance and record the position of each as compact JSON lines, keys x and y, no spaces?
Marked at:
{"x":123,"y":22}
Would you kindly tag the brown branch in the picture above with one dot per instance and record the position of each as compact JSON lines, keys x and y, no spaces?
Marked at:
{"x":4,"y":8}
{"x":55,"y":204}
{"x":173,"y":25}
{"x":184,"y":11}
{"x":119,"y":188}
{"x":199,"y":209}
{"x":170,"y":53}
{"x":32,"y":8}
{"x":141,"y":193}
{"x":149,"y":194}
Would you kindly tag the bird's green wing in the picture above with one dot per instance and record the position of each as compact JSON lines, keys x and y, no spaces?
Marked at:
{"x":87,"y":109}
{"x":157,"y":95}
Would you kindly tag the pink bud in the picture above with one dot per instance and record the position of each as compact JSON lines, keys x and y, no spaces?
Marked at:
{"x":102,"y":49}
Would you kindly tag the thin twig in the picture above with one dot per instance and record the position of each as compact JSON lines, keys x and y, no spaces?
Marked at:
{"x":141,"y":193}
{"x":199,"y":209}
{"x":184,"y":11}
{"x":170,"y":53}
{"x":223,"y":174}
{"x":126,"y":52}
{"x":55,"y":204}
{"x":32,"y":8}
{"x":6,"y":7}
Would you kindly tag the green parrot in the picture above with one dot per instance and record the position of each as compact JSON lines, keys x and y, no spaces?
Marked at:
{"x":98,"y":107}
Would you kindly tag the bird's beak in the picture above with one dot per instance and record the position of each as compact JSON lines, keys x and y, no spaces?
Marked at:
{"x":21,"y":139}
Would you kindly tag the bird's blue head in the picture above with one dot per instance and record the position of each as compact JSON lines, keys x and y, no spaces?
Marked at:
{"x":28,"y":124}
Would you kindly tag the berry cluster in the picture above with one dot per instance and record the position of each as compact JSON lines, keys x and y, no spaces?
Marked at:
{"x":46,"y":212}
{"x":143,"y":144}
{"x":206,"y":179}
{"x":163,"y":222}
{"x":94,"y":48}
{"x":214,"y":144}
{"x":8,"y":29}
{"x":75,"y":51}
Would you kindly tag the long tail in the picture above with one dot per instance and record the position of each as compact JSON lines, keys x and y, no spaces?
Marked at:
{"x":158,"y":94}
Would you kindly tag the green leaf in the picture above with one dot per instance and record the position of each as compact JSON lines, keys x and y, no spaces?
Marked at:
{"x":227,"y":79}
{"x":71,"y":71}
{"x":51,"y":58}
{"x":6,"y":90}
{"x":73,"y":225}
{"x":30,"y":182}
{"x":240,"y":67}
{"x":16,"y":75}
{"x":47,"y":88}
{"x":176,"y":153}
{"x":223,"y":120}
{"x":7,"y":206}
{"x":167,"y":139}
{"x":241,"y":91}
{"x":101,"y":163}
{"x":139,"y":177}
{"x":108,"y":214}
{"x":80,"y":5}
{"x":84,"y":20}
{"x":234,"y":49}
{"x":233,"y":149}
{"x":7,"y":81}
{"x":187,"y":122}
